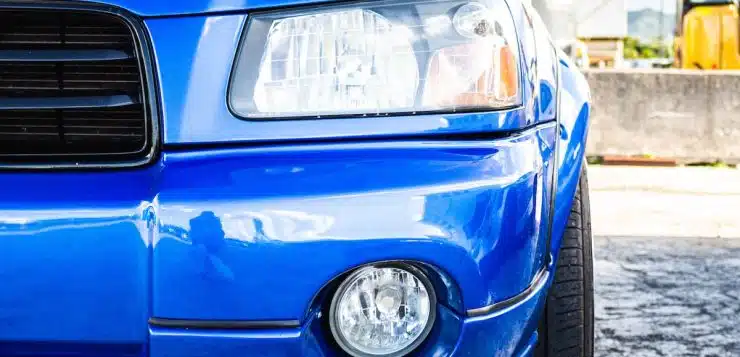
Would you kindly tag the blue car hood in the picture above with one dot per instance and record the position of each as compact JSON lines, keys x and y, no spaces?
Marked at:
{"x":149,"y":8}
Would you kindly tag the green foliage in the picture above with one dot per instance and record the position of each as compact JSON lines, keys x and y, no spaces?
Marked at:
{"x":648,"y":53}
{"x":634,"y":49}
{"x":715,"y":164}
{"x":631,"y":53}
{"x":595,"y":160}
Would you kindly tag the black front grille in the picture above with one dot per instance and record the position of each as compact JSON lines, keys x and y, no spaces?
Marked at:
{"x":72,"y":89}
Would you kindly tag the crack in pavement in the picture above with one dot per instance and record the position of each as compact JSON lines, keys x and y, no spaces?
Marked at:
{"x":667,"y":297}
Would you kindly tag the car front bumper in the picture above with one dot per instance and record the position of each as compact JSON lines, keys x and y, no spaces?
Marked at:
{"x":256,"y":235}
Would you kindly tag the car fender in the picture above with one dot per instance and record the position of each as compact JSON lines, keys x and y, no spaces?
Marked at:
{"x":574,"y":108}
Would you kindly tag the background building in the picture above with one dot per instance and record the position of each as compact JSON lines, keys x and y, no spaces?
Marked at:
{"x":600,"y":25}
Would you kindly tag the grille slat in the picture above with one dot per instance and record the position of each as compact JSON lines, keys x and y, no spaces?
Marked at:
{"x":118,"y":76}
{"x":62,"y":55}
{"x":71,"y":88}
{"x":34,"y":103}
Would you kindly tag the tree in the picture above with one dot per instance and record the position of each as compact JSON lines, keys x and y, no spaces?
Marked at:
{"x":634,"y":49}
{"x":631,"y":53}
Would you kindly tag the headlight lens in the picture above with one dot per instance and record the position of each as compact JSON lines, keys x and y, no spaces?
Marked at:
{"x":382,"y":311}
{"x":378,"y":58}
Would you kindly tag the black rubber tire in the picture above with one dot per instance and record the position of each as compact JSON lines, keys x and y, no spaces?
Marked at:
{"x":567,"y":325}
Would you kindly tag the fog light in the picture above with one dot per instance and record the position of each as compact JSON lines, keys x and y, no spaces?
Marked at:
{"x":382,"y":311}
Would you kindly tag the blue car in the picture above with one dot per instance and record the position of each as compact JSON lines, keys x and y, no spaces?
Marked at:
{"x":291,"y":178}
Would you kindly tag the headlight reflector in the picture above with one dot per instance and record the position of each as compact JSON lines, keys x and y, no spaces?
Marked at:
{"x":334,"y":61}
{"x":382,"y":311}
{"x":377,"y":58}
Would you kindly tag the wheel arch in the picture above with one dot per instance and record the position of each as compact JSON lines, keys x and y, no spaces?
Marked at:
{"x":574,"y":109}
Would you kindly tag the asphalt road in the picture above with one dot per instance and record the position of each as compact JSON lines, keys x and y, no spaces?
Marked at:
{"x":667,"y":297}
{"x":667,"y":267}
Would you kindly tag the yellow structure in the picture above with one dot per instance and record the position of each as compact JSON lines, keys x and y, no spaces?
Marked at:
{"x":707,"y":34}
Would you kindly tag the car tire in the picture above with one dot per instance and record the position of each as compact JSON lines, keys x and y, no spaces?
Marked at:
{"x":567,"y":325}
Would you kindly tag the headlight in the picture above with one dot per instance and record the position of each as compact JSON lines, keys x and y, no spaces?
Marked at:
{"x":382,"y":311}
{"x":377,"y":58}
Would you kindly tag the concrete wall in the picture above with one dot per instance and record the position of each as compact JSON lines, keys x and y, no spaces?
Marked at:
{"x":687,"y":115}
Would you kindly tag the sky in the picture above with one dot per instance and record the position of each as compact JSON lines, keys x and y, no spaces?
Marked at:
{"x":670,"y":5}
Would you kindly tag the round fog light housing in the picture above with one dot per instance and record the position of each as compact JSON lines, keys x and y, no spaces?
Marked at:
{"x":382,"y":310}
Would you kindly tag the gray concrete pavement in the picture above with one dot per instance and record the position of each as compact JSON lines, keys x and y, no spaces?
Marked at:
{"x":665,"y":202}
{"x":667,"y":261}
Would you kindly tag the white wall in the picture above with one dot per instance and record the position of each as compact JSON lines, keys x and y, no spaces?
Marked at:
{"x":602,"y":18}
{"x":568,"y":19}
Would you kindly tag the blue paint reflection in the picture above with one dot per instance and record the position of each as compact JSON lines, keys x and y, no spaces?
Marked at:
{"x":208,"y":238}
